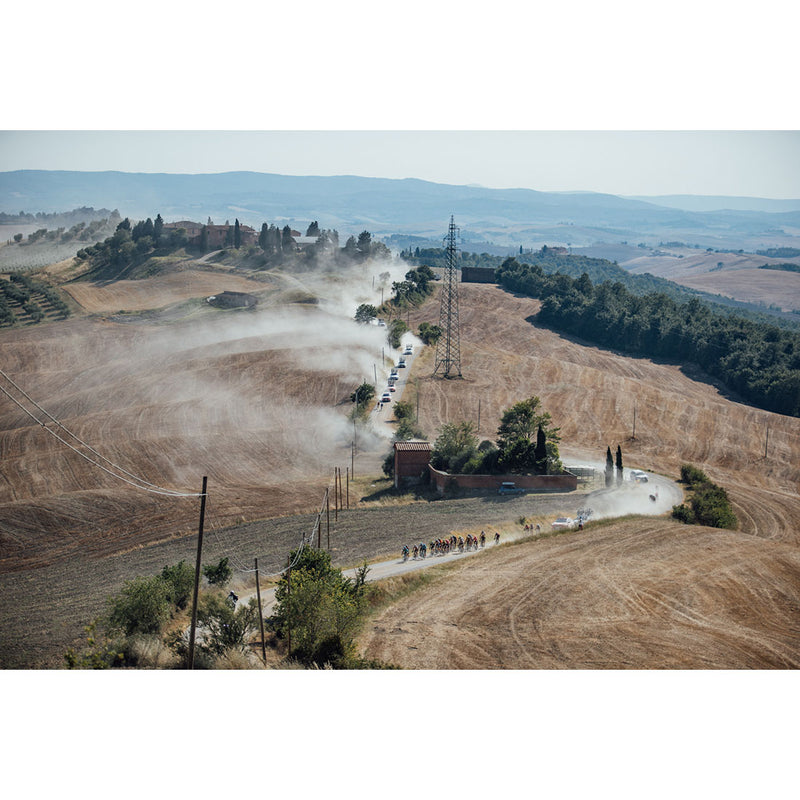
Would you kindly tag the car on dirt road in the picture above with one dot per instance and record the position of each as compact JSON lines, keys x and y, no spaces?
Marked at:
{"x":509,"y":487}
{"x":638,"y":476}
{"x":386,"y":398}
{"x":563,"y":523}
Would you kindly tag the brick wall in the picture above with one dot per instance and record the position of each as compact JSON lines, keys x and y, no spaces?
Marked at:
{"x":533,"y":483}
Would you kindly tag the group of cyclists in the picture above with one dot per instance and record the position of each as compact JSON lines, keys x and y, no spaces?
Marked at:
{"x":452,"y":544}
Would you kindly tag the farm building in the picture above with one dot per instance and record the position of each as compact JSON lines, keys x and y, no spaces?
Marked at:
{"x":218,"y":235}
{"x":233,"y":300}
{"x":411,"y":461}
{"x":478,"y":275}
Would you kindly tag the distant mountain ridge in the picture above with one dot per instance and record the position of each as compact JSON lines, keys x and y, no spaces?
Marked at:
{"x":384,"y":206}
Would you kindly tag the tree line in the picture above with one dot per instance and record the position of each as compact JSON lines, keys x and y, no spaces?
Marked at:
{"x":760,"y":362}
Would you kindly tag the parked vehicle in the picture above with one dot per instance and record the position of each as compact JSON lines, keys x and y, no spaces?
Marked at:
{"x":509,"y":487}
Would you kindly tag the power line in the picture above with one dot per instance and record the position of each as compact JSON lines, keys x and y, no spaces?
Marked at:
{"x":137,"y":482}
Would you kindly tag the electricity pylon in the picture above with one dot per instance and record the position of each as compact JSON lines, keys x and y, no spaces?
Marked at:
{"x":448,"y":348}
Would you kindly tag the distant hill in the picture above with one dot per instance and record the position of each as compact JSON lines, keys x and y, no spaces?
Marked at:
{"x":693,"y":202}
{"x":348,"y":203}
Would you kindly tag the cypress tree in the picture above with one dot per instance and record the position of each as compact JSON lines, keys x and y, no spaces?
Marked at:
{"x":609,"y":468}
{"x":540,"y":452}
{"x":619,"y":465}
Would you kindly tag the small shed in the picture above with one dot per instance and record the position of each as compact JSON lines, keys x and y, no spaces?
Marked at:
{"x":411,"y":459}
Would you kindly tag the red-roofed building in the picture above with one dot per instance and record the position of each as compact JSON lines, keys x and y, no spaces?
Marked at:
{"x":411,"y":461}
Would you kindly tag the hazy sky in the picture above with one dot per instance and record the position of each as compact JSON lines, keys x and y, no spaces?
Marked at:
{"x":748,"y":163}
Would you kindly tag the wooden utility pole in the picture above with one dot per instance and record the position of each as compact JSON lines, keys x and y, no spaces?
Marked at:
{"x":288,"y":602}
{"x":478,"y":431}
{"x":347,"y":485}
{"x":634,"y":421}
{"x":328,"y":515}
{"x":193,"y":629}
{"x":260,"y":616}
{"x":766,"y":442}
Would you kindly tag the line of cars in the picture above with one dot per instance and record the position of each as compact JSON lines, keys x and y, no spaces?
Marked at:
{"x":394,"y":375}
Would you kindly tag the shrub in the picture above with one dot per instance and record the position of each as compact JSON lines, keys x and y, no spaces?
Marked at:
{"x":709,"y":504}
{"x":321,"y":611}
{"x":691,"y":475}
{"x":218,"y":574}
{"x":223,"y":627}
{"x":142,"y":606}
{"x":180,"y":583}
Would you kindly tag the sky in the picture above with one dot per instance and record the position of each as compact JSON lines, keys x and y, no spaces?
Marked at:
{"x":576,"y":96}
{"x":732,"y":163}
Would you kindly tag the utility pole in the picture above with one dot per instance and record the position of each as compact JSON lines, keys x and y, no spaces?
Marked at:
{"x":479,"y":417}
{"x":260,"y":616}
{"x":193,"y":628}
{"x":766,"y":442}
{"x":328,"y":514}
{"x":634,"y":421}
{"x":288,"y":603}
{"x":347,"y":485}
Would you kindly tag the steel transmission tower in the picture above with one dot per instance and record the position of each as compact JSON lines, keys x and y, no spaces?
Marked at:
{"x":448,"y":348}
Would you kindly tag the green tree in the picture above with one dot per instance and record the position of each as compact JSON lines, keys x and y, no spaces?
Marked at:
{"x":395,"y":331}
{"x":313,"y":229}
{"x":517,"y":433}
{"x":362,"y":396}
{"x":365,"y":313}
{"x":429,"y":333}
{"x":218,"y":574}
{"x":158,"y":229}
{"x":237,"y":234}
{"x":456,"y":444}
{"x":619,"y":465}
{"x":540,"y":451}
{"x":142,"y":606}
{"x":180,"y":583}
{"x":319,"y":608}
{"x":364,"y":244}
{"x":609,"y":471}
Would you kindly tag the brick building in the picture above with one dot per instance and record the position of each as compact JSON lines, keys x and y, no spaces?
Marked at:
{"x":411,"y":461}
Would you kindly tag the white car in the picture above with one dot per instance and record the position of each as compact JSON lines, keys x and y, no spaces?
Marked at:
{"x":391,"y":388}
{"x":638,"y":476}
{"x":401,"y":363}
{"x":408,"y":351}
{"x":563,"y":522}
{"x":386,"y":398}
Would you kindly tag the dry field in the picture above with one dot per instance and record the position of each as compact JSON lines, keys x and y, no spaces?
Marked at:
{"x":739,"y":277}
{"x":639,"y":594}
{"x":257,"y":402}
{"x":768,"y":286}
{"x":173,"y":287}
